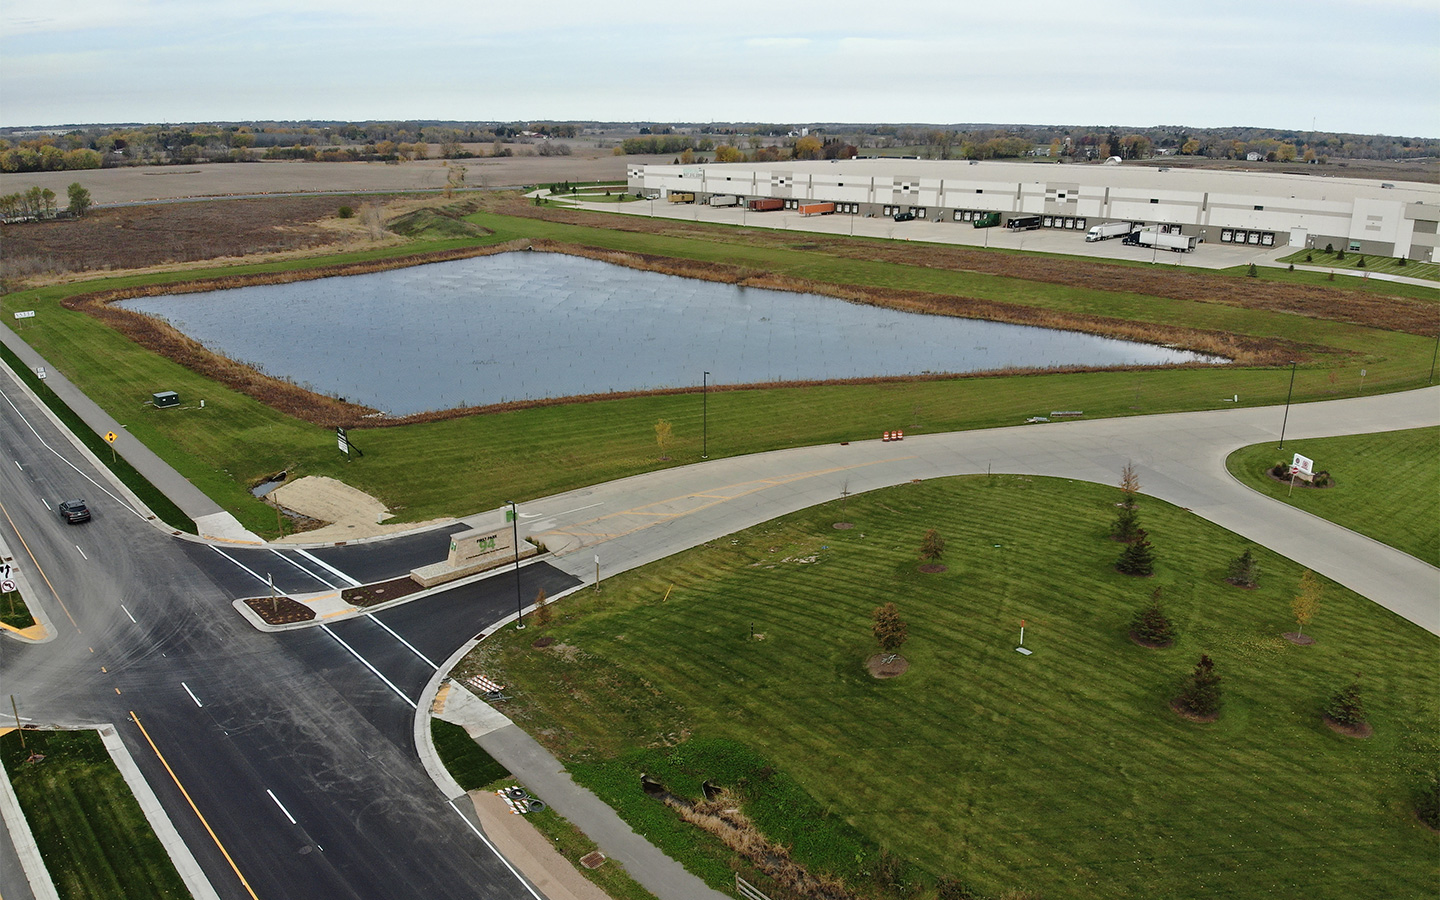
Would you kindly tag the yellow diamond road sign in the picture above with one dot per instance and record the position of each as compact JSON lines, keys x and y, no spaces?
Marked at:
{"x":110,"y":436}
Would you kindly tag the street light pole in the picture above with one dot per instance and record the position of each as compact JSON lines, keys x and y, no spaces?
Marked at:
{"x":515,"y":537}
{"x":1288,"y":393}
{"x":705,"y":416}
{"x":1433,"y":357}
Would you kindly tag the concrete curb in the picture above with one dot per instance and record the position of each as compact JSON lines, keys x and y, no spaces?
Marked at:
{"x":356,"y":611}
{"x":180,"y":855}
{"x":32,"y":602}
{"x":24,"y":841}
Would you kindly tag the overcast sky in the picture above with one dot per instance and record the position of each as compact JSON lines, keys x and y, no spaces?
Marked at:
{"x":1367,"y":67}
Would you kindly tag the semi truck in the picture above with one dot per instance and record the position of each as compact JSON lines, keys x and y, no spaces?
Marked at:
{"x":1179,"y":243}
{"x":724,"y":200}
{"x":1023,"y":223}
{"x":816,"y":209}
{"x":681,"y":197}
{"x":1108,"y":230}
{"x":766,"y":204}
{"x":986,"y":220}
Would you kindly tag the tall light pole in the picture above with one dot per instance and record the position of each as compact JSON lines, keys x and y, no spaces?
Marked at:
{"x":1285,"y":420}
{"x":515,"y":537}
{"x":1433,"y":357}
{"x":705,"y":416}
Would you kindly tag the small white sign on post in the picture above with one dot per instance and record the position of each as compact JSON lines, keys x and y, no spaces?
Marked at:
{"x":25,"y":314}
{"x":8,"y":587}
{"x":1303,"y":465}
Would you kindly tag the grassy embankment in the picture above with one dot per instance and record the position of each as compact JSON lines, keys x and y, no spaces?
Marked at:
{"x":427,"y":470}
{"x":92,"y":834}
{"x":1387,"y":486}
{"x":1352,"y":263}
{"x":13,"y":611}
{"x":473,"y":769}
{"x":1064,"y":773}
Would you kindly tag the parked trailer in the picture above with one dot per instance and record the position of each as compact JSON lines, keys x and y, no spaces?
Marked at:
{"x":816,"y":209}
{"x":1179,"y":243}
{"x":724,"y":200}
{"x":678,"y":197}
{"x":1108,"y":230}
{"x":766,"y":204}
{"x":1023,"y":223}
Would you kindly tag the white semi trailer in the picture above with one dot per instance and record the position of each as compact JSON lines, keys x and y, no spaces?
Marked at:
{"x":1108,"y":230}
{"x":1180,"y":243}
{"x":724,"y":200}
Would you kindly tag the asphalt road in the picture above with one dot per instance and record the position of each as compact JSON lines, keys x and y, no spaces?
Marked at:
{"x":248,"y":722}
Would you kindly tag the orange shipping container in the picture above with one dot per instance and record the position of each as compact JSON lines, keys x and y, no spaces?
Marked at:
{"x":816,"y":209}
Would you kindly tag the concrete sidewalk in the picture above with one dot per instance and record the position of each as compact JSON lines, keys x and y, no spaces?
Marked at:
{"x":543,"y":775}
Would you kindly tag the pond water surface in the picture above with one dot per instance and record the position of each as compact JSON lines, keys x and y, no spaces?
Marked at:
{"x":519,"y":326}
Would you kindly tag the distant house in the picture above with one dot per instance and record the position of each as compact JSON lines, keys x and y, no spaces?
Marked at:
{"x":1254,"y":156}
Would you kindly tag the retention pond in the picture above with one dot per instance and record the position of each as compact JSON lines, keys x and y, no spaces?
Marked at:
{"x":523,"y":326}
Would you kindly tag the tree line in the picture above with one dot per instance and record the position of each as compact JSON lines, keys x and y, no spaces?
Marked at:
{"x":39,"y":203}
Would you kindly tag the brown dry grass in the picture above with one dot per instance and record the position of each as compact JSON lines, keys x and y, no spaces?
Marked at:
{"x":721,"y":818}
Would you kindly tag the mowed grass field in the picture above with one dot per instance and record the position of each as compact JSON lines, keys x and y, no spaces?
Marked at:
{"x":1065,"y":772}
{"x":92,"y":835}
{"x":1387,"y":486}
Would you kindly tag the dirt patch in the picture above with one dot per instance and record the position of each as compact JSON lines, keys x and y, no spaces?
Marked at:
{"x":1184,"y":713}
{"x":1301,"y":640}
{"x":280,"y":610}
{"x":352,"y":513}
{"x":887,"y":665}
{"x":140,"y":237}
{"x":1361,"y":730}
{"x":934,"y":568}
{"x":384,"y":592}
{"x":844,"y":526}
{"x":542,"y":643}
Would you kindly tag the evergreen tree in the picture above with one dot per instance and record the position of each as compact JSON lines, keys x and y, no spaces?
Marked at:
{"x":1427,"y":802}
{"x":1127,"y":524}
{"x":1201,"y":695}
{"x":1346,"y":706}
{"x":1151,"y":626}
{"x":1244,"y":571}
{"x":1138,"y":557}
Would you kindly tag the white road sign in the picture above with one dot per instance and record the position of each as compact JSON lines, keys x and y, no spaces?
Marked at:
{"x":25,"y":314}
{"x":1303,"y":465}
{"x":8,"y":586}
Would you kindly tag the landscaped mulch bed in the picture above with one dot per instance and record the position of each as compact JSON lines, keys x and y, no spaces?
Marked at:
{"x":1361,"y":730}
{"x":384,"y":592}
{"x":879,"y":668}
{"x":280,"y":610}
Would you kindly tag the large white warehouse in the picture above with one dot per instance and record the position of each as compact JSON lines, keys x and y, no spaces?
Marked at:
{"x":1372,"y":217}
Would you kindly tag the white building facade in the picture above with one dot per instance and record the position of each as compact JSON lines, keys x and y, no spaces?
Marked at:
{"x":1269,"y":210}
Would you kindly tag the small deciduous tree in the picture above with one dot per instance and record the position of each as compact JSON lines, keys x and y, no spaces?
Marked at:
{"x":889,"y":629}
{"x":543,"y":613}
{"x":1244,"y":571}
{"x":1138,"y":557}
{"x":79,"y":199}
{"x":1307,"y":600}
{"x":663,"y":434}
{"x":1151,"y":626}
{"x":1129,"y":484}
{"x":1201,"y":694}
{"x":1346,"y":707}
{"x":932,"y":546}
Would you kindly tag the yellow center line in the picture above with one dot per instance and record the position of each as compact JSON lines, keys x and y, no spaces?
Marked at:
{"x":38,"y":569}
{"x":186,"y":793}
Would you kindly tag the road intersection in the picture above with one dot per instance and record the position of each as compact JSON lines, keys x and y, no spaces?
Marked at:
{"x":299,"y":748}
